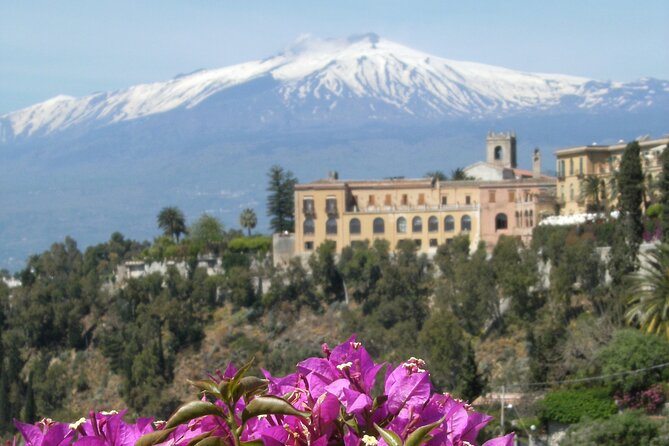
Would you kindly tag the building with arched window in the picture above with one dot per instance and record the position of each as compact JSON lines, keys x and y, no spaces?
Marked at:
{"x":577,"y":165}
{"x":427,"y":211}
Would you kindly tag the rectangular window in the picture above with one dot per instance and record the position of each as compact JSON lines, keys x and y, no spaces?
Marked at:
{"x":308,"y":246}
{"x":433,"y":243}
{"x":421,"y":199}
{"x":331,"y":205}
{"x":580,"y":166}
{"x":308,"y":205}
{"x":444,"y":200}
{"x":512,"y":196}
{"x":418,"y":243}
{"x":571,"y":166}
{"x":405,"y":199}
{"x":468,"y":199}
{"x":370,"y":200}
{"x":491,"y":196}
{"x":388,"y":201}
{"x":562,"y":168}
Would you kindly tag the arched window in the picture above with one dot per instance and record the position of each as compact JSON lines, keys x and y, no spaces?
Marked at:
{"x":308,"y":226}
{"x":331,"y":226}
{"x":531,"y":219}
{"x":433,"y":224}
{"x":518,"y":223}
{"x":501,"y":222}
{"x":379,"y":226}
{"x":401,"y":225}
{"x":449,"y":223}
{"x":417,"y":224}
{"x":571,"y":192}
{"x":466,"y":223}
{"x":527,"y":219}
{"x":499,"y":153}
{"x":354,"y":226}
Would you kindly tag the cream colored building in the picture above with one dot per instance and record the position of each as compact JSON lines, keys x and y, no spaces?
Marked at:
{"x":427,"y":211}
{"x":574,"y":164}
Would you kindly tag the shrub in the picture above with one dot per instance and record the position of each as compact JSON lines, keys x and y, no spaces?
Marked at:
{"x":628,"y":429}
{"x":570,"y":406}
{"x":654,"y":210}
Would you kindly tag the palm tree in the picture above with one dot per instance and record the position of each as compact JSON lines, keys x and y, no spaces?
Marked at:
{"x":248,"y":220}
{"x":649,"y":288}
{"x":459,"y":174}
{"x":591,"y":192}
{"x":436,"y":175}
{"x":172,"y":221}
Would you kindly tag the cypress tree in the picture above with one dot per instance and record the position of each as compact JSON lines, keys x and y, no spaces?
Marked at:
{"x":629,"y":230}
{"x":664,"y":195}
{"x":280,"y":201}
{"x":29,"y":412}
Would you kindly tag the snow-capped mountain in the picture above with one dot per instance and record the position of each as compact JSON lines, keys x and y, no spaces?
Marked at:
{"x":364,"y":106}
{"x":360,"y":78}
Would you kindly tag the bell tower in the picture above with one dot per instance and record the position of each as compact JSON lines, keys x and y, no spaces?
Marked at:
{"x":501,"y":149}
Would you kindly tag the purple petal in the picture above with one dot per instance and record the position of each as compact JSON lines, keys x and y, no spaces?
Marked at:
{"x":31,"y":433}
{"x":506,"y":440}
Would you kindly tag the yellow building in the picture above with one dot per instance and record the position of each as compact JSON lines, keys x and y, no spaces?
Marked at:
{"x":429,"y":212}
{"x":575,"y":164}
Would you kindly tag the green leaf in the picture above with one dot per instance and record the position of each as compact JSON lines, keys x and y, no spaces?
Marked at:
{"x":270,"y":405}
{"x":233,"y":385}
{"x":212,"y":441}
{"x":192,"y":410}
{"x":207,"y":386}
{"x":199,"y":438}
{"x":391,"y":437}
{"x":154,"y":437}
{"x":252,"y":443}
{"x":250,"y":385}
{"x":422,"y":434}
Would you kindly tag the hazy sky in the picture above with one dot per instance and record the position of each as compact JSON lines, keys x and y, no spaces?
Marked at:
{"x":77,"y":47}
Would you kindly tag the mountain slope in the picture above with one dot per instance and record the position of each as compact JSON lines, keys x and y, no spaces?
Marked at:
{"x":376,"y":78}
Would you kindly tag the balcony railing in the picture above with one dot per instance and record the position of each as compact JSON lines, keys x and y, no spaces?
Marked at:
{"x":409,"y":208}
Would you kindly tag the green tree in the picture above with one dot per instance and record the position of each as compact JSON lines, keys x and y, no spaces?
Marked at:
{"x":436,"y":175}
{"x":325,"y":272}
{"x":207,"y":232}
{"x":664,"y":195}
{"x":172,"y":222}
{"x":632,"y":350}
{"x":591,"y":192}
{"x":450,"y":356}
{"x":248,"y":220}
{"x":649,"y":293}
{"x":627,"y":429}
{"x":459,"y":174}
{"x":280,"y":201}
{"x":623,"y":258}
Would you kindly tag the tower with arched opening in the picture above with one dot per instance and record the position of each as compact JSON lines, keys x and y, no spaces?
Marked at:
{"x":501,"y":149}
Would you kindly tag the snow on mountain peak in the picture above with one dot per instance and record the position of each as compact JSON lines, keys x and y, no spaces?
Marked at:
{"x":363,"y":66}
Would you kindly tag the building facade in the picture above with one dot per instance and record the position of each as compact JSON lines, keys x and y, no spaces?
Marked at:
{"x":427,"y":211}
{"x":576,"y":164}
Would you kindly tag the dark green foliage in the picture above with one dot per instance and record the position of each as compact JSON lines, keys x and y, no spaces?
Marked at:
{"x":625,"y":247}
{"x":29,"y":412}
{"x":325,"y":273}
{"x":627,"y":429}
{"x":516,"y":276}
{"x":467,"y":286}
{"x":664,"y":195}
{"x":436,"y":175}
{"x":280,"y":201}
{"x":570,"y":406}
{"x":239,"y":287}
{"x":632,"y":350}
{"x":450,"y":356}
{"x":172,"y":222}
